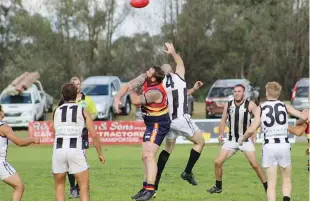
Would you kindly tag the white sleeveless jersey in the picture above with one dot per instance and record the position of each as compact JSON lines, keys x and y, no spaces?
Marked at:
{"x":177,"y":95}
{"x":3,"y":146}
{"x":274,"y":119}
{"x":69,"y":121}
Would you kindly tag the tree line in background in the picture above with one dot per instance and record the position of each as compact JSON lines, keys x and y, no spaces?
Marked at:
{"x":260,"y":40}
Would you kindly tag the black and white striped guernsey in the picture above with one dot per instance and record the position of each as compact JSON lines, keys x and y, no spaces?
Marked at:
{"x":239,"y":118}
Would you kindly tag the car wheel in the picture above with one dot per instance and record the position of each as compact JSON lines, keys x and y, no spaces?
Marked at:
{"x":50,"y":108}
{"x":127,"y":109}
{"x":110,"y":115}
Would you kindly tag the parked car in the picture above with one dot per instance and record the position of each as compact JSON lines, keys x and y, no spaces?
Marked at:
{"x":102,"y":90}
{"x":222,"y":91}
{"x":48,"y":99}
{"x":23,"y":108}
{"x":300,"y":94}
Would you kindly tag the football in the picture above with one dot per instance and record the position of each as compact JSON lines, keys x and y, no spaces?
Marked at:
{"x":139,"y":3}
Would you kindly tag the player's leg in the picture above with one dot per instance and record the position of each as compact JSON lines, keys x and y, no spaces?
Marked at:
{"x":60,"y":180}
{"x":17,"y":184}
{"x":195,"y":152}
{"x":60,"y":169}
{"x":271,"y":173}
{"x":150,"y":145}
{"x":249,"y":152}
{"x":83,"y":181}
{"x":73,"y":192}
{"x":270,"y":163}
{"x":78,"y":166}
{"x":284,"y":158}
{"x":144,"y":183}
{"x":227,"y":150}
{"x":77,"y":188}
{"x":286,"y":182}
{"x":164,"y":155}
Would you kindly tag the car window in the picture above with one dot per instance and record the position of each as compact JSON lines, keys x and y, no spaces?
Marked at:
{"x":302,"y":91}
{"x":24,"y":98}
{"x":93,"y":89}
{"x":117,"y":85}
{"x":221,"y":92}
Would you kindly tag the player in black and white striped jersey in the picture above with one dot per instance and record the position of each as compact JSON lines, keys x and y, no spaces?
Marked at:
{"x":181,"y":123}
{"x":70,"y":119}
{"x":272,"y":116}
{"x":7,"y":173}
{"x":238,"y":112}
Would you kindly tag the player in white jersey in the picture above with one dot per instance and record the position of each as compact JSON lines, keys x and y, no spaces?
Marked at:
{"x":68,"y":156}
{"x":272,"y":116}
{"x":238,"y":112}
{"x":181,"y":124}
{"x":7,"y":173}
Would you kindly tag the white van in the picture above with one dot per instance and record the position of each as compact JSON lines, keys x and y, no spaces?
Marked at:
{"x":22,"y":108}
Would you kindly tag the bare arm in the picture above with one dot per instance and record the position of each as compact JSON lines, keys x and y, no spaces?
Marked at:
{"x":180,"y":69}
{"x":197,"y":85}
{"x":91,"y":130}
{"x":9,"y":133}
{"x":223,"y":120}
{"x":297,"y":130}
{"x":133,"y":84}
{"x":253,"y":127}
{"x":151,"y":96}
{"x":252,"y":107}
{"x":292,"y":111}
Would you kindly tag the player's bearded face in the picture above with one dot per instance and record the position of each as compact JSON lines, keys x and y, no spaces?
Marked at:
{"x":238,"y":93}
{"x":149,"y":75}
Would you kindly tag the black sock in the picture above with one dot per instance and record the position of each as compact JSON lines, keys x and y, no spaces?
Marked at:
{"x":71,"y":180}
{"x":162,"y":160}
{"x":194,"y":156}
{"x":218,"y":184}
{"x":286,"y":198}
{"x":77,"y":186}
{"x":144,"y":184}
{"x":265,"y":186}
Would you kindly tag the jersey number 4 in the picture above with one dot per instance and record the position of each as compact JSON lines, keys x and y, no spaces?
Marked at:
{"x":64,"y":110}
{"x":276,"y":117}
{"x":175,"y":97}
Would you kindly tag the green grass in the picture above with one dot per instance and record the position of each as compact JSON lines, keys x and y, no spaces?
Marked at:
{"x":121,"y":176}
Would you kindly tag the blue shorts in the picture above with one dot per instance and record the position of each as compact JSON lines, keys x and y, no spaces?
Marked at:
{"x":156,"y":133}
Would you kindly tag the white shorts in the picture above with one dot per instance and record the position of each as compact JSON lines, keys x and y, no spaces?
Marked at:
{"x":276,"y":154}
{"x":182,"y":126}
{"x":234,"y":146}
{"x":6,"y":170}
{"x":69,"y":160}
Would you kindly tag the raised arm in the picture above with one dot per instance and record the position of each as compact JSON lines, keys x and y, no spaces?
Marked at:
{"x":133,"y":84}
{"x":197,"y":85}
{"x":180,"y":69}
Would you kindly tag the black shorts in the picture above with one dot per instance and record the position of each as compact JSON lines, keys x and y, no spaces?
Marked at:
{"x":156,"y":133}
{"x":85,"y":142}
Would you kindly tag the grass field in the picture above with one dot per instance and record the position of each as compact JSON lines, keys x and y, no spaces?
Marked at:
{"x":121,"y":176}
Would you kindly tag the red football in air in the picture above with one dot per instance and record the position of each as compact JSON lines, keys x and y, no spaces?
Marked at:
{"x":139,"y":3}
